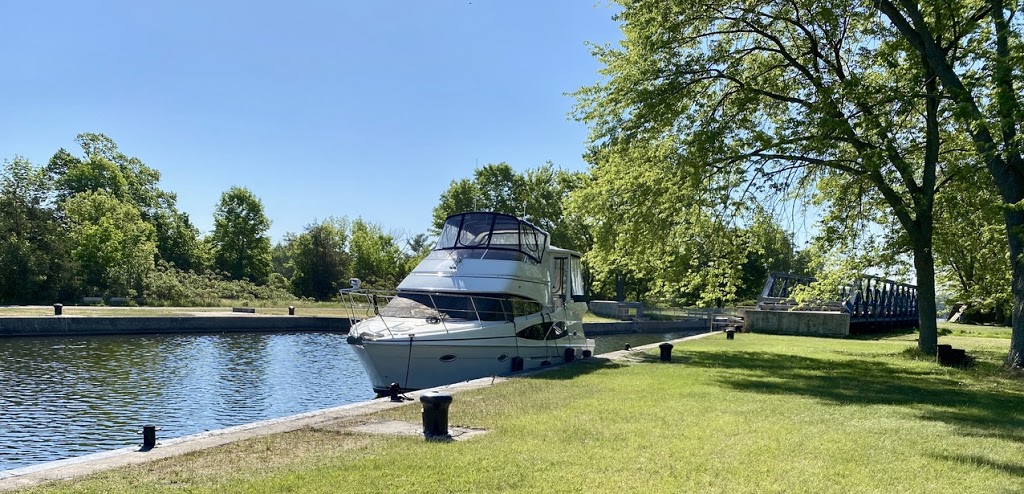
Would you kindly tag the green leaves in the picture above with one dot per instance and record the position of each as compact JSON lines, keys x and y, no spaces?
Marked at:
{"x":241,"y":246}
{"x":111,"y":244}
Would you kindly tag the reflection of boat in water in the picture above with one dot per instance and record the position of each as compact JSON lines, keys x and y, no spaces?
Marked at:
{"x":493,"y":297}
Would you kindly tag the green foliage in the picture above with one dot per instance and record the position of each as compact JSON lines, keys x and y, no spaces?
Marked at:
{"x":169,"y":286}
{"x":537,"y":195}
{"x":34,"y":261}
{"x":319,"y":259}
{"x":178,"y":240}
{"x":417,"y":248}
{"x":239,"y":240}
{"x":112,"y":245}
{"x":661,"y":232}
{"x":970,"y":246}
{"x":768,"y":100}
{"x":104,"y":168}
{"x":376,"y":258}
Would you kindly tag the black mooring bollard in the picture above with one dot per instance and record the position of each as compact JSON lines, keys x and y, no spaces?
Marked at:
{"x":730,"y":333}
{"x":570,"y":354}
{"x":435,"y":416}
{"x":666,"y":352}
{"x":58,"y":309}
{"x":393,"y":392}
{"x":291,"y":310}
{"x":628,"y":347}
{"x":148,"y":437}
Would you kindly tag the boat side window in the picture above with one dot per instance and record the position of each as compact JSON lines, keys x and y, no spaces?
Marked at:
{"x":544,"y":331}
{"x":524,"y":307}
{"x":576,"y":273}
{"x":491,"y":308}
{"x":558,"y":276}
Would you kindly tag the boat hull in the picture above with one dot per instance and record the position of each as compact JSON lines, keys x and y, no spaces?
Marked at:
{"x":425,"y":362}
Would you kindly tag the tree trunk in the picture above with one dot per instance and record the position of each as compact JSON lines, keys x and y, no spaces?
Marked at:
{"x":924,"y":263}
{"x":1014,"y":226}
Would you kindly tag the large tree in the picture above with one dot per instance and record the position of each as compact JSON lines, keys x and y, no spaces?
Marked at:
{"x":103,"y":167}
{"x":765,"y":96}
{"x":319,"y":259}
{"x":975,"y":51}
{"x":34,"y":261}
{"x":240,"y":244}
{"x":377,"y":259}
{"x":113,"y":247}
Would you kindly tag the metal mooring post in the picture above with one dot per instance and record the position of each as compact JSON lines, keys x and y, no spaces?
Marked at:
{"x":730,"y":333}
{"x":291,"y":310}
{"x":435,"y":416}
{"x":666,"y":352}
{"x":148,"y":437}
{"x":58,"y":309}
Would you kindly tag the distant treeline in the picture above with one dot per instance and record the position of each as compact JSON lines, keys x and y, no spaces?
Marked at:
{"x":97,"y":224}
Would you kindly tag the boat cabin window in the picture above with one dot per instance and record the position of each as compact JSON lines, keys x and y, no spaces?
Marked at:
{"x":544,"y":331}
{"x":493,"y":231}
{"x":558,"y":276}
{"x":459,"y":306}
{"x":576,"y":276}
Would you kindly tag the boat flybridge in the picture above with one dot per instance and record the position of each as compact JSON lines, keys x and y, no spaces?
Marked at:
{"x":493,"y":297}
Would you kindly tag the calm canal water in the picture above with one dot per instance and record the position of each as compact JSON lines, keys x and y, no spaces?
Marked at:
{"x":62,"y":397}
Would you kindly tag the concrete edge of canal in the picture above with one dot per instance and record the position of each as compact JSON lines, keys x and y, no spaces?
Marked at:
{"x":128,"y":325}
{"x":12,"y":326}
{"x":97,"y":462}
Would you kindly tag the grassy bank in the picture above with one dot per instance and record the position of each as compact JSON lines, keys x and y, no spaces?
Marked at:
{"x":757,"y":414}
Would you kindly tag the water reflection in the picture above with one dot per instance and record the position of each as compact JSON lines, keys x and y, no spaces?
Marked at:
{"x":63,"y":397}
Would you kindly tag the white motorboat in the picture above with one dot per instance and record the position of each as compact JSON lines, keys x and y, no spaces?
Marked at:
{"x":492,"y":298}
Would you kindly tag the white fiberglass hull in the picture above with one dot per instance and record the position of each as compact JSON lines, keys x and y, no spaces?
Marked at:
{"x":429,"y":360}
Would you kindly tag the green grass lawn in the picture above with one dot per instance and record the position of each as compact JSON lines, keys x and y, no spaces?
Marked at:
{"x":757,"y":414}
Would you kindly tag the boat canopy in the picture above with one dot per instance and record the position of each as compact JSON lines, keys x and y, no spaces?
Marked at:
{"x":485,"y":230}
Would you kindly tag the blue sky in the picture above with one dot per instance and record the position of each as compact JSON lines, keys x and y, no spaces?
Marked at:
{"x":320,"y":108}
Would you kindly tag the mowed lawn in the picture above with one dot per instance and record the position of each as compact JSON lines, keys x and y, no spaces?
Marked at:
{"x":757,"y":414}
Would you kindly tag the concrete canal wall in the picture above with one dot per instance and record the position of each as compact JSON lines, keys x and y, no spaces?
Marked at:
{"x":798,"y":322}
{"x":242,"y":323}
{"x":245,"y":323}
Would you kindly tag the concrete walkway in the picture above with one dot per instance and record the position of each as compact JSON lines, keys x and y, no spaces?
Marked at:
{"x":339,"y":417}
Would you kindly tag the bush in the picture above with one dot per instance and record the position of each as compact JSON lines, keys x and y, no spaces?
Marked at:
{"x":170,"y":286}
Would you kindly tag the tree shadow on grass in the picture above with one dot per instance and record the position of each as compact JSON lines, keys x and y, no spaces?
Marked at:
{"x":974,"y":411}
{"x":1016,"y":470}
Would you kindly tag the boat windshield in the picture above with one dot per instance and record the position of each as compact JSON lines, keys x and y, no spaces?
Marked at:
{"x":459,"y":306}
{"x":492,"y":231}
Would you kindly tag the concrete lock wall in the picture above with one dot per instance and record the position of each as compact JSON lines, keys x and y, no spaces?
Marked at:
{"x":798,"y":322}
{"x":54,"y":326}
